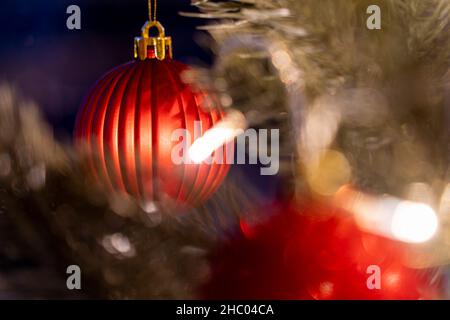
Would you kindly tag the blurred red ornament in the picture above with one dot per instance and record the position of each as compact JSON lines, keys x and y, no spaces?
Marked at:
{"x":127,"y":121}
{"x":312,"y":252}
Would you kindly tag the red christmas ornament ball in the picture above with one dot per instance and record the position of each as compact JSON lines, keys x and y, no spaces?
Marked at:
{"x":312,"y":252}
{"x":126,"y":125}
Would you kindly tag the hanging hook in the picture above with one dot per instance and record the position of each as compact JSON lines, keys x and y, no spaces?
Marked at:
{"x":160,"y":44}
{"x":150,"y":17}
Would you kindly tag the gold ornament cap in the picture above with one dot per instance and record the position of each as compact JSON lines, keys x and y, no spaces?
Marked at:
{"x":146,"y":47}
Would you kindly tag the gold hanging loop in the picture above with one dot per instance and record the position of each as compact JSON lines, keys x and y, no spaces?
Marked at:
{"x":153,"y":24}
{"x":161,"y":45}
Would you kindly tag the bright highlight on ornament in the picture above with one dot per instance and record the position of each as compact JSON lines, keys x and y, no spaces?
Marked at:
{"x":232,"y":125}
{"x":414,"y":222}
{"x":204,"y":146}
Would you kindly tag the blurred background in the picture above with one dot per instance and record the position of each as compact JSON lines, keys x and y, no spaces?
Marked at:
{"x":363,"y":119}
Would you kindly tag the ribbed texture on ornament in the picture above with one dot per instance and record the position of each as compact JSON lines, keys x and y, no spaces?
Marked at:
{"x":126,"y":122}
